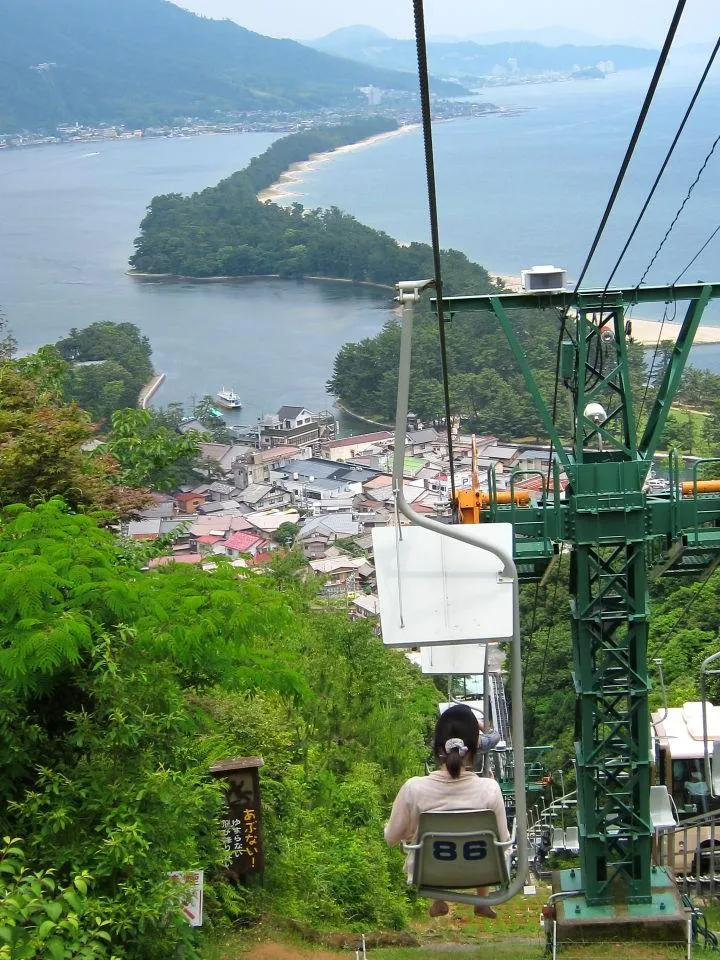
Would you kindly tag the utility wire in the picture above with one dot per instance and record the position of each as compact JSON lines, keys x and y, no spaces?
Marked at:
{"x":696,"y":595}
{"x":691,"y":262}
{"x":655,"y":353}
{"x":680,"y":209}
{"x":528,"y":652}
{"x":432,"y":204}
{"x":665,"y":162}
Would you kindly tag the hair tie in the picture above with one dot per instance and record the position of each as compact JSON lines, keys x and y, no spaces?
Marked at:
{"x":455,"y":743}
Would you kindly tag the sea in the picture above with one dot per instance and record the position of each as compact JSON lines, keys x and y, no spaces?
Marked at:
{"x":522,"y":187}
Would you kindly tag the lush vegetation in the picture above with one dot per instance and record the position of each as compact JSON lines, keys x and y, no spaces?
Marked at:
{"x":42,"y":439}
{"x":143,"y":62}
{"x":120,"y":687}
{"x":108,"y":364}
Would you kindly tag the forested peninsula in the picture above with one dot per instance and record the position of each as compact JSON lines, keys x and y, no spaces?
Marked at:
{"x":224,"y":231}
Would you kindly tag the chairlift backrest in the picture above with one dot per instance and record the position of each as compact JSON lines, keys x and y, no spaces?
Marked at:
{"x":558,"y":838}
{"x":462,"y":660}
{"x":572,"y":840}
{"x":662,"y":816}
{"x":459,"y":849}
{"x":437,"y":590}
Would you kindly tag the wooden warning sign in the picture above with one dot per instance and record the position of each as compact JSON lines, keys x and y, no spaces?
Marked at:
{"x":242,"y":822}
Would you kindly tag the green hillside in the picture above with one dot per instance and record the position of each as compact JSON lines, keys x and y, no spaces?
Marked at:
{"x":141,"y":62}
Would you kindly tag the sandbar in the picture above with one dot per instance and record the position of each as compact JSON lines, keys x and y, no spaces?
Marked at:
{"x":282,"y":189}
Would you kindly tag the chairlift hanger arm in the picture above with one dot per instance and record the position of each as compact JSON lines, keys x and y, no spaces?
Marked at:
{"x":509,"y":571}
{"x":583,"y":298}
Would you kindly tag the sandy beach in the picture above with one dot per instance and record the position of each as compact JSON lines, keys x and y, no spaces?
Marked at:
{"x":283,"y":188}
{"x":645,"y":332}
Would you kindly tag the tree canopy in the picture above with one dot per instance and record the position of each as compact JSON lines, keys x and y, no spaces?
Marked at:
{"x":108,"y":364}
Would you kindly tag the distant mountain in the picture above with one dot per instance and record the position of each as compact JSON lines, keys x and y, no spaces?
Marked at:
{"x":358,"y":33}
{"x":555,"y":37}
{"x":141,"y":62}
{"x":467,"y":59}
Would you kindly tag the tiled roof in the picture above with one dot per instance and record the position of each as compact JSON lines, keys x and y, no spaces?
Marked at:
{"x":262,"y":556}
{"x":289,"y":413}
{"x":337,"y":523}
{"x":363,"y":438}
{"x":283,"y":452}
{"x":144,"y":528}
{"x":254,"y":493}
{"x":368,"y":602}
{"x":242,"y":541}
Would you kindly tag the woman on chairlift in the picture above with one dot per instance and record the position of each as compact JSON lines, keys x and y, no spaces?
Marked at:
{"x":453,"y":786}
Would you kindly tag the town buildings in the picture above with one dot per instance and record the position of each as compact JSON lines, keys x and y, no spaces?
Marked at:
{"x":293,"y":480}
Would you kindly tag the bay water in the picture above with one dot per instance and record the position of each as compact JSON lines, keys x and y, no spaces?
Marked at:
{"x":514,"y":189}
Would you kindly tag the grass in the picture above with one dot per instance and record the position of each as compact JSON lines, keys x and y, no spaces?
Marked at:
{"x":515,"y":935}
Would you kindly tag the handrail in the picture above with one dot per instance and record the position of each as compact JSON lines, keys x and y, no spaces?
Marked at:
{"x":507,"y":574}
{"x":544,"y":490}
{"x":703,"y":673}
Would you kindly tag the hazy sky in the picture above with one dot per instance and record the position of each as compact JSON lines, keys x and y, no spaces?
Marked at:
{"x":307,"y":19}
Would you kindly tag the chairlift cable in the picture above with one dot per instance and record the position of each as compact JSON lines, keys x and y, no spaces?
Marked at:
{"x":691,"y":262}
{"x":424,"y":81}
{"x":680,"y":209}
{"x":659,"y":66}
{"x":665,"y":162}
{"x":635,"y":137}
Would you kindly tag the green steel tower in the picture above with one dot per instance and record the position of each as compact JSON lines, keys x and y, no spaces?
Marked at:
{"x":619,"y":535}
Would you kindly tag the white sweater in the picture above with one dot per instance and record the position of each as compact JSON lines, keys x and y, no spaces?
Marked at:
{"x":439,"y":791}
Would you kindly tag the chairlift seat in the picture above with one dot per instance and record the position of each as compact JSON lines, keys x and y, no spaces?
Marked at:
{"x":572,"y":840}
{"x":457,"y":850}
{"x":662,"y":816}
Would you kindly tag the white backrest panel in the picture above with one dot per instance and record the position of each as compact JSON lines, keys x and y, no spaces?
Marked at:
{"x":436,"y":590}
{"x":464,"y":660}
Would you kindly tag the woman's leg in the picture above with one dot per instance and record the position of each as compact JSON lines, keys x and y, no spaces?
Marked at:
{"x":481,"y":910}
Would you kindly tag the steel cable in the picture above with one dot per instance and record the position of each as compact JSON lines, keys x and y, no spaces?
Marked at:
{"x":424,"y":82}
{"x":662,"y":59}
{"x":680,"y":209}
{"x":665,"y":162}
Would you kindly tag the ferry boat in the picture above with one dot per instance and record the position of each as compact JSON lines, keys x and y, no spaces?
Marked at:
{"x":229,"y":399}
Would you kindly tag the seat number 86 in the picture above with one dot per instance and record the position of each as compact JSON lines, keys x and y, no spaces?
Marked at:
{"x":471,"y":850}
